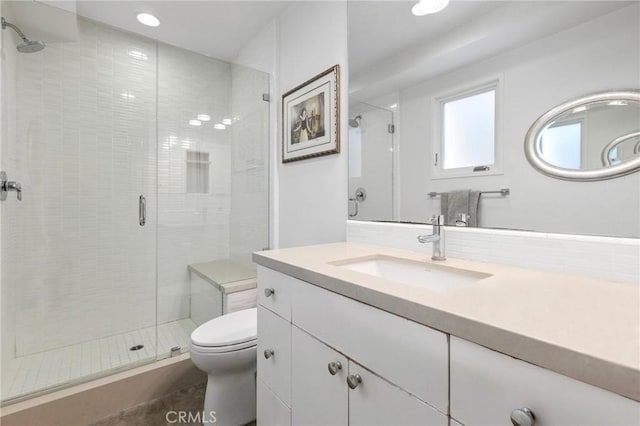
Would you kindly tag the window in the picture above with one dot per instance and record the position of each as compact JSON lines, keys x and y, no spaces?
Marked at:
{"x":466,"y":141}
{"x":198,"y":172}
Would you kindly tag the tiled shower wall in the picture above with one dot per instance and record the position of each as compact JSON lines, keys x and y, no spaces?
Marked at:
{"x":77,"y":264}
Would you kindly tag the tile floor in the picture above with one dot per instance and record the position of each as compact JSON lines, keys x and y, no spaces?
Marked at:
{"x":94,"y":358}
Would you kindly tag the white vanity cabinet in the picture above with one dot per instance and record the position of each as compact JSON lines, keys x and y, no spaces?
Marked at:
{"x":328,"y":389}
{"x":487,"y":386}
{"x":350,"y":364}
{"x":328,"y":360}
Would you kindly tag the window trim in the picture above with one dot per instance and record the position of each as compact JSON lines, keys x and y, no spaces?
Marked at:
{"x":437,"y":172}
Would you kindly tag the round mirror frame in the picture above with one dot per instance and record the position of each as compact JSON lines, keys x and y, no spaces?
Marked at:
{"x":535,"y":159}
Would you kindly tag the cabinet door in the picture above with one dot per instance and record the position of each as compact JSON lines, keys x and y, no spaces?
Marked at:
{"x":319,"y":391}
{"x":486,"y":386}
{"x":271,"y":411}
{"x":274,"y":353}
{"x":376,"y":402}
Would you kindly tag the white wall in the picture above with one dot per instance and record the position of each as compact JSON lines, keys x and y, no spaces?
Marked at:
{"x":310,"y":199}
{"x":599,"y":55}
{"x":313,"y":193}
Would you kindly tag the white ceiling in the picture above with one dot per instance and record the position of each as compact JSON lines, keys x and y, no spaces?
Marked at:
{"x":214,"y":28}
{"x":380,"y":29}
{"x":389,"y":48}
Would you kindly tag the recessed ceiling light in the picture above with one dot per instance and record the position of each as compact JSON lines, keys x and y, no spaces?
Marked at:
{"x":148,"y":19}
{"x":219,"y":126}
{"x":226,"y":121}
{"x":204,"y":117}
{"x":195,"y":122}
{"x":128,"y":95}
{"x":426,"y":7}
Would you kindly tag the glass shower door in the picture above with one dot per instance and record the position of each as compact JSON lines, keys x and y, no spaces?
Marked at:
{"x":213,"y":133}
{"x":78,"y":263}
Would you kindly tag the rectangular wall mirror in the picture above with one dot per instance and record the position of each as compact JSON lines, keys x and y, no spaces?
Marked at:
{"x":443,"y":102}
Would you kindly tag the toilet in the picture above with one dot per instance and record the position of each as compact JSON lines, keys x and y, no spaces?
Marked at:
{"x":225,"y":349}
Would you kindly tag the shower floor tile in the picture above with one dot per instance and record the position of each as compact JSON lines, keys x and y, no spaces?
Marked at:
{"x":72,"y":364}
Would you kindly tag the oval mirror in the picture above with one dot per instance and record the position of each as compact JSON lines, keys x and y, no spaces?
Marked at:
{"x":595,"y":137}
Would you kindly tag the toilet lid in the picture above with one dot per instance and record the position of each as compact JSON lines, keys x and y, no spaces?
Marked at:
{"x":229,"y":329}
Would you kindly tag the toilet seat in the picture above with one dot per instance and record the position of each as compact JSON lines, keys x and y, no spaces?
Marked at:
{"x":227,"y":333}
{"x":223,"y":349}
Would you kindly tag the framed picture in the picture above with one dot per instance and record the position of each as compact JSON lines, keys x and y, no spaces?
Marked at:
{"x":311,"y":117}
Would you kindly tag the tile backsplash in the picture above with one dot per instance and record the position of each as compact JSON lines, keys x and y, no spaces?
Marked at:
{"x":615,"y":259}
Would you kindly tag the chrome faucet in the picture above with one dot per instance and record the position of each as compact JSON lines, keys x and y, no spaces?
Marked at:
{"x":437,"y":238}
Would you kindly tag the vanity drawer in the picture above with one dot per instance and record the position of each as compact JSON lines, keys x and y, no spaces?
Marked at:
{"x":274,"y":291}
{"x":407,"y":354}
{"x":486,"y":386}
{"x":274,"y":353}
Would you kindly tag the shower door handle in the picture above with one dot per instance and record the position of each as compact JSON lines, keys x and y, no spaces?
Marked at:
{"x":9,"y":185}
{"x":355,"y":203}
{"x":142,"y":210}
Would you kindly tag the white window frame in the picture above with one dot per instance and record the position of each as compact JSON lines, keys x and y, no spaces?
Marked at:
{"x":437,"y":172}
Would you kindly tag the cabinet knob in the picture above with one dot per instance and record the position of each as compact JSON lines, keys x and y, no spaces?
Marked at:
{"x":269,"y":292}
{"x":353,"y":380}
{"x":334,"y":367}
{"x":523,"y":417}
{"x":268,"y":353}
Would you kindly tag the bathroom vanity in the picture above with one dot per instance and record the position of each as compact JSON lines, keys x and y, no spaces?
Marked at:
{"x":341,"y":341}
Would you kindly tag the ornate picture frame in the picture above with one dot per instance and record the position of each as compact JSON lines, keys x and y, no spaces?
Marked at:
{"x":311,"y":117}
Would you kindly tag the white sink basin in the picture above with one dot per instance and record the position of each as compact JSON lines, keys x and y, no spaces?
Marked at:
{"x":418,"y":274}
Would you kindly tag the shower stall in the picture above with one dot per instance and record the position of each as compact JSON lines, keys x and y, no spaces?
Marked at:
{"x":138,"y":163}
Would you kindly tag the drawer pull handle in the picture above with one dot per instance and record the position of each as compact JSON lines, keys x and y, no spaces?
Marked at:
{"x":269,"y":292}
{"x":523,"y":417}
{"x":354,"y":380}
{"x":268,"y":353}
{"x":334,"y":367}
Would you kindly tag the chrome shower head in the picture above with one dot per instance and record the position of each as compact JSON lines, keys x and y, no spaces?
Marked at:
{"x":27,"y":46}
{"x":30,"y":46}
{"x":355,"y":121}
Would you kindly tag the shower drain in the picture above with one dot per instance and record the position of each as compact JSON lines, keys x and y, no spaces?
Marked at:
{"x":136,"y":347}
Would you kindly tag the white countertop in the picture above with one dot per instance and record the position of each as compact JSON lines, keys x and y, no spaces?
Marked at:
{"x":581,"y":327}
